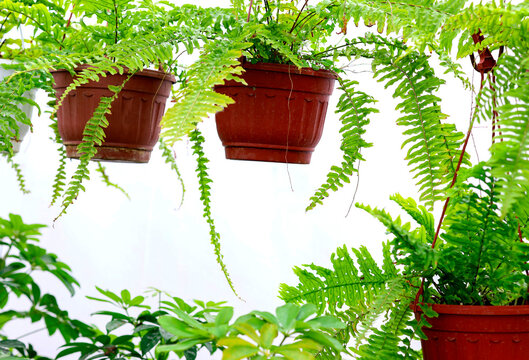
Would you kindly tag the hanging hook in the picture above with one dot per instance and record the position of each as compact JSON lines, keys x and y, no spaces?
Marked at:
{"x":486,"y":60}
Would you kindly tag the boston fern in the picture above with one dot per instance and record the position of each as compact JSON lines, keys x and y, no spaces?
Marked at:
{"x":475,"y":251}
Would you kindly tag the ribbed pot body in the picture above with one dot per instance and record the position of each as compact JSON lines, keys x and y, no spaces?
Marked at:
{"x":134,"y":122}
{"x":477,"y":333}
{"x":278,"y":116}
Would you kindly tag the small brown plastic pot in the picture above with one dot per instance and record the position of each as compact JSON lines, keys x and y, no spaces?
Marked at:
{"x":464,"y":332}
{"x":134,"y":122}
{"x":278,"y":116}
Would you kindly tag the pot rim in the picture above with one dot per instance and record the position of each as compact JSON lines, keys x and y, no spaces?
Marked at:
{"x":157,"y":74}
{"x":477,"y":309}
{"x":293,"y":69}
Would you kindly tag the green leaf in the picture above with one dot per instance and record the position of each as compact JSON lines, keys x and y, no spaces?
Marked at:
{"x":239,"y":352}
{"x":224,"y":316}
{"x":268,"y":333}
{"x":286,"y":315}
{"x":305,"y":311}
{"x":326,"y":322}
{"x":114,"y":324}
{"x":149,"y":340}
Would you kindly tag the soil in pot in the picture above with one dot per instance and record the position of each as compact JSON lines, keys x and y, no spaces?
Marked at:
{"x":464,"y":332}
{"x":134,"y":122}
{"x":278,"y":116}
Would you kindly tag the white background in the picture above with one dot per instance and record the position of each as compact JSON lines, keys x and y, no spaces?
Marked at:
{"x":149,"y":241}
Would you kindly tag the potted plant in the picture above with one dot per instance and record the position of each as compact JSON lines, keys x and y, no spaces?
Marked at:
{"x":277,"y":105}
{"x":458,"y":280}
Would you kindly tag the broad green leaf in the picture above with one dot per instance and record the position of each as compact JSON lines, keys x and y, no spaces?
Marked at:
{"x":268,"y":333}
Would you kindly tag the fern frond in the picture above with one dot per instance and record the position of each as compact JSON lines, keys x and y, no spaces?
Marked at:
{"x":217,"y":64}
{"x":346,"y":284}
{"x":20,"y":177}
{"x":170,"y":158}
{"x":392,"y":339}
{"x":205,"y":195}
{"x":510,"y":152}
{"x":355,"y":109}
{"x":104,"y":177}
{"x":432,"y":145}
{"x":93,"y":135}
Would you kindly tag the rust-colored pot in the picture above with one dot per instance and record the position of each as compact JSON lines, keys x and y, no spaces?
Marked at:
{"x":463,"y":332}
{"x":278,"y":116}
{"x":134,"y":125}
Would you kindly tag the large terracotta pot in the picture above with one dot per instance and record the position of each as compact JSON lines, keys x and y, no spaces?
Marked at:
{"x":464,"y":332}
{"x":23,"y":129}
{"x":278,"y":116}
{"x":134,"y":125}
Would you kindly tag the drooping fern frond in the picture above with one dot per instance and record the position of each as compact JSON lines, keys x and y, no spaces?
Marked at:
{"x":349,"y":283}
{"x":510,"y":152}
{"x":432,"y":145}
{"x":20,"y":177}
{"x":104,"y":177}
{"x":218,"y":63}
{"x":205,"y":195}
{"x":355,"y":108}
{"x":60,"y":175}
{"x":93,"y":135}
{"x":170,"y":158}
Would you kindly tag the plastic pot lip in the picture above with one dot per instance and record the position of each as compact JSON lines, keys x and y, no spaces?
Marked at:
{"x":477,"y":309}
{"x":156,"y":74}
{"x":293,"y":69}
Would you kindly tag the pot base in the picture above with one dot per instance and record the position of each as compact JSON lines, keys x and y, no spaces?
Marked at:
{"x":113,"y":154}
{"x":268,"y":155}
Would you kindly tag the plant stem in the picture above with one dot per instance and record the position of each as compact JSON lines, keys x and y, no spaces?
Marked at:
{"x":299,"y":14}
{"x":31,"y":333}
{"x":249,"y":11}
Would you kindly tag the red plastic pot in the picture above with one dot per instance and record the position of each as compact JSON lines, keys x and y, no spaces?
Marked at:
{"x":278,"y":116}
{"x":464,"y":332}
{"x":134,"y":125}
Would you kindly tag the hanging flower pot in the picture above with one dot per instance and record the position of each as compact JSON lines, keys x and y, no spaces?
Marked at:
{"x":134,"y":122}
{"x":23,"y":129}
{"x":477,"y":332}
{"x":278,"y":116}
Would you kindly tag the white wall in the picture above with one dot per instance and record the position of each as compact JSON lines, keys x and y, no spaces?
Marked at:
{"x":115,"y":243}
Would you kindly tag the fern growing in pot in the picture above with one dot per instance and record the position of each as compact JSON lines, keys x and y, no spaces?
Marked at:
{"x":457,"y":281}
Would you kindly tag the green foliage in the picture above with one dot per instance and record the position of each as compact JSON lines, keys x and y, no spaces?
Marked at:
{"x":205,"y":195}
{"x":170,"y":158}
{"x":347,"y":283}
{"x":510,"y":152}
{"x":432,"y":145}
{"x":20,"y":177}
{"x":257,"y":334}
{"x":104,"y":177}
{"x":354,"y":107}
{"x":93,"y":135}
{"x":21,"y":260}
{"x":482,"y":257}
{"x":132,"y":331}
{"x":60,"y":175}
{"x":218,"y":63}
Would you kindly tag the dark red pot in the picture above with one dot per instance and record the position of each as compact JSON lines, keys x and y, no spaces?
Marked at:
{"x":464,"y":332}
{"x":278,"y":116}
{"x":134,"y":125}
